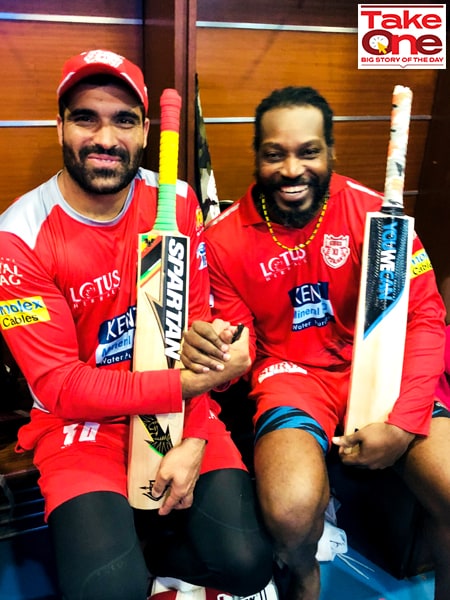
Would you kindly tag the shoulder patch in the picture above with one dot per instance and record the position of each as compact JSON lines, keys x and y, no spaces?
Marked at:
{"x":420,"y":263}
{"x":22,"y":311}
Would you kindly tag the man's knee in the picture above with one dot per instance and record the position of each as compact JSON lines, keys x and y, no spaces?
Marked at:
{"x":123,"y":577}
{"x":248,"y":572}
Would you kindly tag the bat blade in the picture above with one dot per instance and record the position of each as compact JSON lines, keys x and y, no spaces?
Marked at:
{"x":381,"y":320}
{"x":161,"y":315}
{"x":382,"y":311}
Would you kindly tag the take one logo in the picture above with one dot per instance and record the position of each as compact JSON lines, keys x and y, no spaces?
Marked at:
{"x":401,"y":35}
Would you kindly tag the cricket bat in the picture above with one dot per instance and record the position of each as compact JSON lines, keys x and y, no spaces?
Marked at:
{"x":382,"y":310}
{"x":161,"y":313}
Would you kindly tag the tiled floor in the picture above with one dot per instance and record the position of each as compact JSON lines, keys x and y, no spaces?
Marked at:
{"x":352,"y":577}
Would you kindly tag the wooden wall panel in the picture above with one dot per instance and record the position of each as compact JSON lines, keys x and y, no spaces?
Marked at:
{"x":169,"y":59}
{"x":28,"y":157}
{"x":359,"y":146}
{"x":128,"y":9}
{"x":232,"y":160}
{"x":32,"y":55}
{"x":336,"y":13}
{"x":433,"y":203}
{"x":231,"y":86}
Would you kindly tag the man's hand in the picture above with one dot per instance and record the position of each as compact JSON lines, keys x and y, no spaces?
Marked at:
{"x":236,"y":364}
{"x":206,"y":345}
{"x":211,"y":357}
{"x":178,"y":473}
{"x":375,"y":446}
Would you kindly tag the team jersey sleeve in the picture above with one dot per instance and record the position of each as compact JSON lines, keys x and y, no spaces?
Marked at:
{"x":38,"y":327}
{"x":424,"y":348}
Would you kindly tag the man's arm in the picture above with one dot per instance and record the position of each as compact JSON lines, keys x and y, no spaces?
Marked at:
{"x":47,"y":353}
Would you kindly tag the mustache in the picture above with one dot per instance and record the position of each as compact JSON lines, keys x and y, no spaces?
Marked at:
{"x":296,"y":181}
{"x":98,"y":149}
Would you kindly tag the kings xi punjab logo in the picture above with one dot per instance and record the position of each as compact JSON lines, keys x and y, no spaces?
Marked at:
{"x":335,"y":250}
{"x":401,"y":36}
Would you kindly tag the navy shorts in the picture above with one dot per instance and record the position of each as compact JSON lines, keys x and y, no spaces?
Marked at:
{"x":284,"y":417}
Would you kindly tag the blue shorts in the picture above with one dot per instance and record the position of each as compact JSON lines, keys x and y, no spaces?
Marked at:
{"x":440,"y":410}
{"x":284,"y":417}
{"x":288,"y":417}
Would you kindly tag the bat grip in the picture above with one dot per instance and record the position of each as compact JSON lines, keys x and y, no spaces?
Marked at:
{"x":170,"y":104}
{"x":396,"y":159}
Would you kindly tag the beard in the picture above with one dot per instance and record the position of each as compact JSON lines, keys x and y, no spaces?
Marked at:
{"x":291,"y":218}
{"x":102,"y":181}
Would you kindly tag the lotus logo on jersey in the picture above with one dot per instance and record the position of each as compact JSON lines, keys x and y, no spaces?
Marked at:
{"x":103,"y":285}
{"x":279,"y":265}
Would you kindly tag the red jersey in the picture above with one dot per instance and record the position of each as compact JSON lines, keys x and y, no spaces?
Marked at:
{"x":300,"y":305}
{"x":443,"y":388}
{"x":68,"y":304}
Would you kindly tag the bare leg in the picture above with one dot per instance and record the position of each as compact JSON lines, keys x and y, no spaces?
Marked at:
{"x":426,"y":470}
{"x":293,"y":490}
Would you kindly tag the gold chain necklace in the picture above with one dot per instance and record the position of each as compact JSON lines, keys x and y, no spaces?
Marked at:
{"x":272,"y":233}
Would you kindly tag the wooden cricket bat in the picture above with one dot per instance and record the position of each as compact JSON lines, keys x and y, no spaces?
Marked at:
{"x":161,"y":313}
{"x":382,"y":311}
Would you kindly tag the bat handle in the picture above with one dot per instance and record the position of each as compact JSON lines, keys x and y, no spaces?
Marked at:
{"x":170,"y":104}
{"x":396,"y":159}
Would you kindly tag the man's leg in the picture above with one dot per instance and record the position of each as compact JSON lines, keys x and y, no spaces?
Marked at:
{"x":220,"y":542}
{"x":426,"y":470}
{"x":293,"y":491}
{"x":97,"y":552}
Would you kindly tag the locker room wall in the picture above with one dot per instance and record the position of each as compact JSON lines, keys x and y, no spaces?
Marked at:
{"x":37,"y":37}
{"x":300,"y":43}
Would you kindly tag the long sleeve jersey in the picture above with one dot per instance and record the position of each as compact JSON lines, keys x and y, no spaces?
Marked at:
{"x":300,"y":305}
{"x":68,"y":306}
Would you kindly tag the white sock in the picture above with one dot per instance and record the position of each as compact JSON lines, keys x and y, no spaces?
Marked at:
{"x":163,"y":584}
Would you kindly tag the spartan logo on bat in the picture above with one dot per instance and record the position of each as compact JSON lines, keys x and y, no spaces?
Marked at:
{"x":160,"y":440}
{"x":169,"y":302}
{"x":174,"y":296}
{"x":149,"y":491}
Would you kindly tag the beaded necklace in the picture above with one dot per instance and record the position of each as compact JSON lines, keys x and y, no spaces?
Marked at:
{"x":272,"y":233}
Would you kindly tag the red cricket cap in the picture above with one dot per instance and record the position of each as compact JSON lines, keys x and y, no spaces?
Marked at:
{"x":95,"y":62}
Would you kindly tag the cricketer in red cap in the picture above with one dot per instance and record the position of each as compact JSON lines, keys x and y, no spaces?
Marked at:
{"x":96,"y":62}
